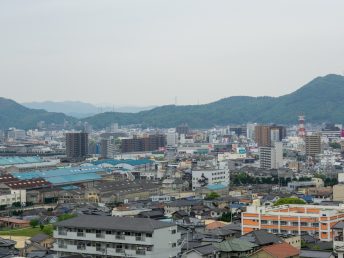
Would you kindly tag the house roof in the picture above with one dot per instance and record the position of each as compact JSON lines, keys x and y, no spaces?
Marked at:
{"x":39,"y":237}
{"x":315,"y":254}
{"x":216,"y":224}
{"x":114,"y":223}
{"x":235,"y":245}
{"x":203,"y":249}
{"x":282,"y":250}
{"x":262,"y":237}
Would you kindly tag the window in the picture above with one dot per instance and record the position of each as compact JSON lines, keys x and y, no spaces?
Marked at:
{"x":283,"y":223}
{"x":149,"y":235}
{"x":275,"y":222}
{"x":295,"y":223}
{"x":127,"y":233}
{"x":304,"y":224}
{"x":174,"y":231}
{"x":264,"y":222}
{"x":108,"y":232}
{"x":174,"y":244}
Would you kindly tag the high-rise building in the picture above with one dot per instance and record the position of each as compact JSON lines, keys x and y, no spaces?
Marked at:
{"x":262,"y":135}
{"x":107,"y":148}
{"x":313,"y":145}
{"x":266,"y":135}
{"x":76,"y":145}
{"x":271,"y":157}
{"x":140,"y":144}
{"x":182,"y":129}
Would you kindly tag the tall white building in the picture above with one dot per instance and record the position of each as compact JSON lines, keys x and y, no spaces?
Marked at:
{"x":271,"y":157}
{"x":172,"y":139}
{"x":103,"y":236}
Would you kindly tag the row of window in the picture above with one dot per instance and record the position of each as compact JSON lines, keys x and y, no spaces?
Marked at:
{"x":288,"y":223}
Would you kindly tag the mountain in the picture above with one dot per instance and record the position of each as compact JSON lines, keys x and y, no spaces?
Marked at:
{"x":321,"y":100}
{"x":15,"y":115}
{"x":81,"y":109}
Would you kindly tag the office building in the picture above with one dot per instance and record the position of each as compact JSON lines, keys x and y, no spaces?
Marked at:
{"x":271,"y":157}
{"x":296,"y":219}
{"x":76,"y":145}
{"x":182,"y":129}
{"x":107,"y":148}
{"x":205,"y":177}
{"x":266,"y":135}
{"x":97,"y":236}
{"x":313,"y":145}
{"x":172,"y":139}
{"x":141,"y":144}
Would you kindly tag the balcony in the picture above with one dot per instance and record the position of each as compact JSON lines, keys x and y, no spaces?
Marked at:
{"x":80,"y":234}
{"x":120,"y":237}
{"x":141,"y":252}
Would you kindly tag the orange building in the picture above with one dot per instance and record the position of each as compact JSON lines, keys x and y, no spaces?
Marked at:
{"x":294,"y":219}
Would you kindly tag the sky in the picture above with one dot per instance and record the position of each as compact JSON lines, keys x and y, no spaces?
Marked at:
{"x":158,"y":52}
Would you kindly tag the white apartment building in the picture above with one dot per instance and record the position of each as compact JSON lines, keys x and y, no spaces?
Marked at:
{"x":8,"y":198}
{"x":271,"y":157}
{"x":210,"y":176}
{"x":103,"y":236}
{"x":172,"y":139}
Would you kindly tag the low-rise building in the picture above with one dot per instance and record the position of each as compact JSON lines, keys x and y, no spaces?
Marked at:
{"x":116,"y":237}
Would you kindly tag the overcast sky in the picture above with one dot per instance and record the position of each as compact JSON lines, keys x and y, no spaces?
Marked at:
{"x":147,"y":52}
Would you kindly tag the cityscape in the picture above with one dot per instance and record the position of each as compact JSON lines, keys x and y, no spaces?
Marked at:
{"x":95,"y":161}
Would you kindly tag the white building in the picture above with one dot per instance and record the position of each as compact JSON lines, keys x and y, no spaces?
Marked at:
{"x":172,"y":139}
{"x":271,"y":157}
{"x":13,"y":196}
{"x":210,"y":176}
{"x":99,"y":236}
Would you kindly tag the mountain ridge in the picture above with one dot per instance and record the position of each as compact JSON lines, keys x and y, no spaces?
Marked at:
{"x":320,"y":100}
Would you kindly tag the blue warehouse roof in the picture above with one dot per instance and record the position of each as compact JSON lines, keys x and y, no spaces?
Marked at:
{"x":132,"y":162}
{"x":63,"y":175}
{"x":8,"y":161}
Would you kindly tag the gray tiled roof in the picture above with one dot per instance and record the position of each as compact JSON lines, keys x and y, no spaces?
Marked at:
{"x":114,"y":223}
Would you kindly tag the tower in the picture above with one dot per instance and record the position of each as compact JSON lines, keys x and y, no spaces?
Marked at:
{"x":301,"y":130}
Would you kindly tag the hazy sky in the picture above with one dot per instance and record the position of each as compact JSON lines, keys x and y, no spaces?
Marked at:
{"x":145,"y":52}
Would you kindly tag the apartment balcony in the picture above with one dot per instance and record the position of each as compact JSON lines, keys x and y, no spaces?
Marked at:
{"x":141,"y":240}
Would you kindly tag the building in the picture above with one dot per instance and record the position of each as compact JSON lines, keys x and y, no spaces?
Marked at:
{"x":76,"y":145}
{"x":141,"y":144}
{"x":116,"y":237}
{"x":297,"y":219}
{"x":182,"y":129}
{"x":172,"y":139}
{"x":313,"y":145}
{"x":338,"y":192}
{"x":107,"y":148}
{"x":209,"y":176}
{"x":271,"y":157}
{"x":266,"y":135}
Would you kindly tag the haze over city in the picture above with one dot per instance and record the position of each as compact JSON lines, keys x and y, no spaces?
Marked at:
{"x":149,"y":52}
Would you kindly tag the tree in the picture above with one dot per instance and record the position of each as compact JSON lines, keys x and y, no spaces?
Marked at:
{"x":289,"y":200}
{"x":212,"y":196}
{"x":34,"y":223}
{"x":65,"y":216}
{"x":226,"y":217}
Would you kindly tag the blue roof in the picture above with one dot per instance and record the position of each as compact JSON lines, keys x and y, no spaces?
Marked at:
{"x":132,"y":162}
{"x":6,"y":161}
{"x":63,"y":175}
{"x":216,"y":187}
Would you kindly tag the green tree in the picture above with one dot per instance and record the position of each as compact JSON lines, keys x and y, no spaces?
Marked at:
{"x":289,"y":200}
{"x":212,"y":196}
{"x":65,"y":216}
{"x":226,"y":217}
{"x":34,"y":223}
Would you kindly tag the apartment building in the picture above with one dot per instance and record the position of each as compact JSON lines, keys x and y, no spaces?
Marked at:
{"x":76,"y":145}
{"x":271,"y":157}
{"x":313,"y":145}
{"x":297,"y":219}
{"x":140,"y":144}
{"x":99,"y":236}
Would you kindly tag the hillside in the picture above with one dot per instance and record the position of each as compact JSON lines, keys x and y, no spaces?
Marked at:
{"x":321,"y":100}
{"x":81,"y":109}
{"x":15,"y":115}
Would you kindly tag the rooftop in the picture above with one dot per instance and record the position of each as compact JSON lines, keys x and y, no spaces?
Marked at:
{"x":9,"y":161}
{"x":114,"y":223}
